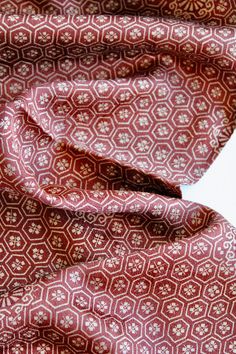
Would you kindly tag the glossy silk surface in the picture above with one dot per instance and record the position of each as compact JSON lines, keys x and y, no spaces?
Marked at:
{"x":106,"y":108}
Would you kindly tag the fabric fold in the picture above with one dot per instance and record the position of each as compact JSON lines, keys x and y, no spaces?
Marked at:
{"x":106,"y":108}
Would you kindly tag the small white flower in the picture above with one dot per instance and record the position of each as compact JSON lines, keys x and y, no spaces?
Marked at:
{"x":178,"y":330}
{"x":58,"y":295}
{"x":180,"y":31}
{"x":66,"y":37}
{"x":75,"y":277}
{"x":40,"y":317}
{"x":66,"y":321}
{"x":10,"y":170}
{"x":91,"y":324}
{"x":154,"y":329}
{"x":135,"y":33}
{"x":62,"y":87}
{"x":159,"y":32}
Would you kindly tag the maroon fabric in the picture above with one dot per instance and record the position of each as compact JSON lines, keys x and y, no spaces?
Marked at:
{"x":106,"y":108}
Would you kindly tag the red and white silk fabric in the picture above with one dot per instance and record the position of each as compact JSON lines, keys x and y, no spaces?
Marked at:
{"x":107,"y":107}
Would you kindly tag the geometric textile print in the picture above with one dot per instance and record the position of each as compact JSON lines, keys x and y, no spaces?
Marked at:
{"x":106,"y":108}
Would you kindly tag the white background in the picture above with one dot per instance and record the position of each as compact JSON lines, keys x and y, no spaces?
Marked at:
{"x":217,"y":188}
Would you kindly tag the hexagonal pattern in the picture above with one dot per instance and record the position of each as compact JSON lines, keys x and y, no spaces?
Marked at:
{"x":106,"y":108}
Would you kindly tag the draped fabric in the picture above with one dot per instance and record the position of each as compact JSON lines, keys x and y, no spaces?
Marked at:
{"x":106,"y":108}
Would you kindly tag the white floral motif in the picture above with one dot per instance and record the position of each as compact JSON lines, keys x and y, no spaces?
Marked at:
{"x":75,"y":277}
{"x":163,"y":350}
{"x":178,"y":330}
{"x":17,"y":265}
{"x":196,"y":309}
{"x":66,"y":37}
{"x":66,"y":321}
{"x":102,"y":306}
{"x":213,"y":291}
{"x":211,"y":346}
{"x":147,"y":307}
{"x":81,"y":301}
{"x":35,"y":228}
{"x":20,"y":37}
{"x":78,"y":253}
{"x":158,"y":32}
{"x":58,"y":295}
{"x":125,"y":347}
{"x":202,"y":329}
{"x":40,"y":317}
{"x":54,"y":219}
{"x":43,"y":348}
{"x":91,"y":324}
{"x":189,"y":349}
{"x":224,"y":327}
{"x":232,"y":345}
{"x":154,"y":328}
{"x":11,"y":217}
{"x":10,"y":170}
{"x":173,"y":307}
{"x":190,"y":289}
{"x":125,"y":307}
{"x":97,"y":283}
{"x":114,"y":327}
{"x":200,"y":248}
{"x":119,"y":285}
{"x":5,"y":122}
{"x":17,"y":349}
{"x":38,"y":254}
{"x":14,"y":241}
{"x":111,"y":36}
{"x":77,"y":229}
{"x":206,"y":269}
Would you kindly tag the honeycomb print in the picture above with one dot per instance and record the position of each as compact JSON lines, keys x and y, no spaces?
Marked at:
{"x":106,"y":108}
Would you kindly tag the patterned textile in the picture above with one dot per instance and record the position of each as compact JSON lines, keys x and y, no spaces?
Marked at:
{"x":106,"y":108}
